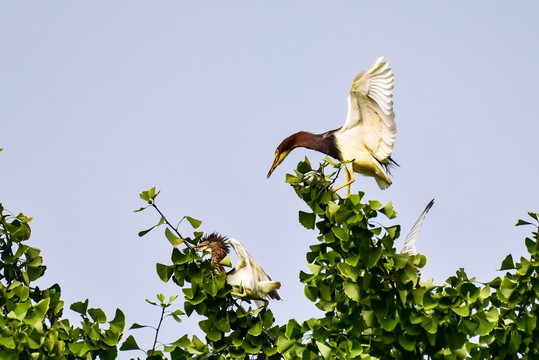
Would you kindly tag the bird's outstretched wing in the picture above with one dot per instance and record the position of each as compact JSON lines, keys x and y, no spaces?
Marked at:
{"x":243,"y":268}
{"x":253,"y":276}
{"x":413,"y":235}
{"x":370,"y":107}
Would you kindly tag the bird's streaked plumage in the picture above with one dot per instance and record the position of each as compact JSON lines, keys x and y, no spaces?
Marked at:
{"x":218,"y":247}
{"x":368,"y":134}
{"x":247,"y":279}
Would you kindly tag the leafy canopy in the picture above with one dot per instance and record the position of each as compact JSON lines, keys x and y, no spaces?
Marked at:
{"x":371,"y":304}
{"x":31,"y":324}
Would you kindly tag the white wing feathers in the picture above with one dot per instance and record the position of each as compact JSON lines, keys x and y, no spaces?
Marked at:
{"x":370,"y":106}
{"x":243,"y":269}
{"x":249,"y":274}
{"x":413,"y":235}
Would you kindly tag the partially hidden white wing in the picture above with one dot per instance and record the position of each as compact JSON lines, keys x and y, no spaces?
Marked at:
{"x":370,"y":106}
{"x":411,"y":240}
{"x":243,"y":268}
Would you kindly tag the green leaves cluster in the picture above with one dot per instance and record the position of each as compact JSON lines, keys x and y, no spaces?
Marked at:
{"x":372,"y":304}
{"x":373,"y":308}
{"x":231,"y":331}
{"x":31,"y":324}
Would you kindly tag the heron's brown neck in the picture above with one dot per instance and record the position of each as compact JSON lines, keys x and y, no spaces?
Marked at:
{"x":325,"y":143}
{"x":219,"y":250}
{"x":218,"y":253}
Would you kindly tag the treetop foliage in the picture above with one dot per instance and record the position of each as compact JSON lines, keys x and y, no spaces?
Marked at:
{"x":31,"y":324}
{"x":371,"y":304}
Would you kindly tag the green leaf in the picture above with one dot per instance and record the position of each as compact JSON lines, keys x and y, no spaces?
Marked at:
{"x":348,"y":271}
{"x":407,"y":342}
{"x":19,"y":290}
{"x":256,"y":329}
{"x":507,"y":263}
{"x":176,"y":315}
{"x":332,"y":209}
{"x":138,"y":326}
{"x":226,"y":261}
{"x":149,"y":195}
{"x":98,"y":315}
{"x":515,"y":339}
{"x":144,"y":232}
{"x":117,"y":324}
{"x":324,"y":349}
{"x":7,"y":341}
{"x":307,"y":219}
{"x":387,"y":323}
{"x":374,"y":256}
{"x":311,"y":293}
{"x":172,"y":238}
{"x":293,"y":329}
{"x":130,"y":344}
{"x":428,"y":301}
{"x":164,"y":272}
{"x":284,"y":344}
{"x":430,"y":324}
{"x":521,"y":222}
{"x":389,"y":211}
{"x":80,"y":307}
{"x":375,"y":204}
{"x":79,"y":348}
{"x":194,"y":222}
{"x":506,"y":289}
{"x":304,"y":166}
{"x":463,"y":310}
{"x":351,"y":289}
{"x":315,"y":269}
{"x":341,"y":233}
{"x":41,"y":308}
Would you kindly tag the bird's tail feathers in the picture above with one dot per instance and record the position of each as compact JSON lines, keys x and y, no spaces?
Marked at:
{"x":389,"y":165}
{"x":382,"y":183}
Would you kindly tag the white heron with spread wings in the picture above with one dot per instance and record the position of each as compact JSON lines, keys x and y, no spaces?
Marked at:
{"x":366,"y":138}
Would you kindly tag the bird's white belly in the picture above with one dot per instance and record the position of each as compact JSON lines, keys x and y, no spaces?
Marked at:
{"x":353,"y":149}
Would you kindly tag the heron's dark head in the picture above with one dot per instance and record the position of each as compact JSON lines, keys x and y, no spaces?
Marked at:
{"x":218,"y":247}
{"x":287,"y":145}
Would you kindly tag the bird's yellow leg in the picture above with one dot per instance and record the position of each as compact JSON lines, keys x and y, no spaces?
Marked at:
{"x":241,"y":294}
{"x":349,"y":176}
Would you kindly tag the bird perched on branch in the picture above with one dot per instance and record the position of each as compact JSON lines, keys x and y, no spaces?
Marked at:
{"x":411,"y":239}
{"x":248,"y":279}
{"x":366,"y":137}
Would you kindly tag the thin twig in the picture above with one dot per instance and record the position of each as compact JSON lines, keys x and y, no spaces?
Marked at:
{"x":157,"y":330}
{"x":172,"y":227}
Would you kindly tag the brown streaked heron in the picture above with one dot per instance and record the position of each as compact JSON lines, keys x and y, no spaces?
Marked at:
{"x":248,"y":280}
{"x":218,"y":247}
{"x":367,"y":136}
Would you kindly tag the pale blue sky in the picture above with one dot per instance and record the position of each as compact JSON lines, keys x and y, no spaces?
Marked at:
{"x":101,"y":100}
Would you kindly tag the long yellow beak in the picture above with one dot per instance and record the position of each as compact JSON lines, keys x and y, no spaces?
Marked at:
{"x":273,"y":166}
